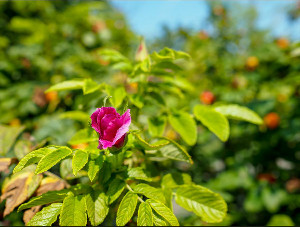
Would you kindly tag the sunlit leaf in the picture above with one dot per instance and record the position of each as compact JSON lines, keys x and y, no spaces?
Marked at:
{"x":213,"y":120}
{"x":97,"y":207}
{"x":73,"y":211}
{"x":150,"y":192}
{"x":157,"y":125}
{"x":138,"y":173}
{"x":115,"y":189}
{"x":175,"y":151}
{"x":185,"y":125}
{"x":208,"y":205}
{"x":84,"y":136}
{"x":164,"y":211}
{"x":52,"y":159}
{"x":117,"y":95}
{"x":67,"y":85}
{"x":239,"y":113}
{"x":126,"y":208}
{"x":79,"y":160}
{"x":47,"y":216}
{"x":145,"y":216}
{"x":94,"y":164}
{"x":148,"y":146}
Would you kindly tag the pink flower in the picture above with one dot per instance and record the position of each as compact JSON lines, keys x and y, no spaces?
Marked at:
{"x":111,"y":126}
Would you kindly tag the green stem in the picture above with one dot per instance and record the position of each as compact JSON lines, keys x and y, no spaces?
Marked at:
{"x":130,"y":189}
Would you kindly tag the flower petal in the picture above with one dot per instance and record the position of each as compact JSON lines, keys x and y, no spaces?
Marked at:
{"x":125,"y":122}
{"x":97,"y":116}
{"x":104,"y":144}
{"x":94,"y":117}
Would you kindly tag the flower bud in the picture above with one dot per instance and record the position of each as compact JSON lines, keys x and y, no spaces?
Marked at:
{"x":142,"y":52}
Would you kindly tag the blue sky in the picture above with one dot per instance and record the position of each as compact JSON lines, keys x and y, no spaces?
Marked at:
{"x":146,"y":17}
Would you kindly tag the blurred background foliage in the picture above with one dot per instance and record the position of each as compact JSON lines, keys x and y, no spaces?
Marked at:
{"x":257,"y":171}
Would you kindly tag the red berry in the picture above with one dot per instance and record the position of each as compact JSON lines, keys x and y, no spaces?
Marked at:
{"x":207,"y":97}
{"x":272,"y":120}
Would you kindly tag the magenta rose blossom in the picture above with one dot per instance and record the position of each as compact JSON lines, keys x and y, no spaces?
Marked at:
{"x":111,"y":126}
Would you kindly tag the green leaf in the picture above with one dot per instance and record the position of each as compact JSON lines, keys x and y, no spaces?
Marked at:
{"x":115,"y":189}
{"x":73,"y":211}
{"x":280,"y":220}
{"x":137,"y":100}
{"x":237,"y":112}
{"x":213,"y":120}
{"x":105,"y":172}
{"x":145,"y":216}
{"x":79,"y":160}
{"x":97,"y":207}
{"x":8,"y":135}
{"x":148,"y":146}
{"x":157,"y":98}
{"x":111,"y":55}
{"x":138,"y":173}
{"x":46,"y":198}
{"x":206,"y":204}
{"x":90,"y":86}
{"x":168,"y":194}
{"x":150,"y":192}
{"x":95,"y":163}
{"x":47,"y":216}
{"x":158,"y":220}
{"x":67,"y":85}
{"x":169,"y":54}
{"x":174,"y":180}
{"x":76,"y":115}
{"x":164,"y":211}
{"x":175,"y":151}
{"x":157,"y":125}
{"x":54,"y":196}
{"x":33,"y":157}
{"x":185,"y":125}
{"x":84,"y":136}
{"x":117,"y":95}
{"x":52,"y":159}
{"x":126,"y":208}
{"x":273,"y":199}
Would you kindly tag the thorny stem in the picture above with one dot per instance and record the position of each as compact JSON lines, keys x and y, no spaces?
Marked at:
{"x":130,"y":189}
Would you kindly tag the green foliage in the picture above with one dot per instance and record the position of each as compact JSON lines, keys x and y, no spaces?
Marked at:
{"x":47,"y":216}
{"x":163,"y":211}
{"x":239,"y":113}
{"x":167,"y":158}
{"x":280,"y":220}
{"x":73,"y":211}
{"x":83,"y":136}
{"x":126,"y":208}
{"x":208,"y":205}
{"x":52,"y":158}
{"x":94,"y":165}
{"x":79,"y":160}
{"x":175,"y":151}
{"x":145,"y":216}
{"x":117,"y":95}
{"x":49,"y":197}
{"x":157,"y":125}
{"x":148,"y":146}
{"x":115,"y":189}
{"x":150,"y":192}
{"x":97,"y":207}
{"x":185,"y":125}
{"x":213,"y":120}
{"x":67,"y":85}
{"x":8,"y":136}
